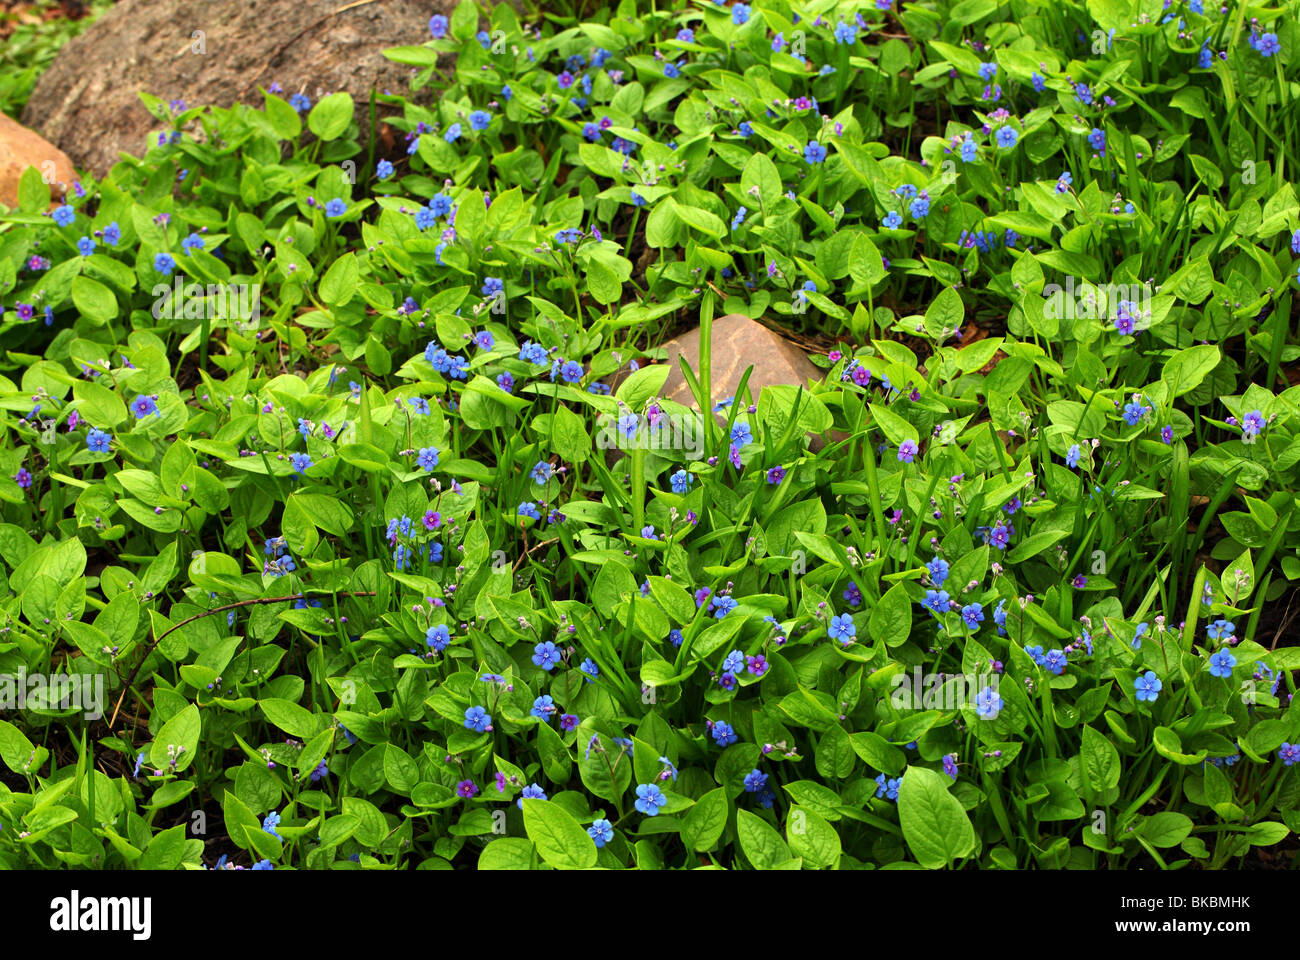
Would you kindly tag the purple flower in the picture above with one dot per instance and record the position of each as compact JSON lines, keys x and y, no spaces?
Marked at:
{"x":143,"y":405}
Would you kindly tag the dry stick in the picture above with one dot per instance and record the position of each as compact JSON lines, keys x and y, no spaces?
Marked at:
{"x":207,"y":613}
{"x":529,"y":550}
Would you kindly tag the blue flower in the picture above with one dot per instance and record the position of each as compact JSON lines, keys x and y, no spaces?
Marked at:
{"x":755,"y":781}
{"x":1007,"y":137}
{"x":546,"y":655}
{"x":1221,"y":664}
{"x":270,"y":823}
{"x":477,"y":719}
{"x":1097,"y":139}
{"x":98,"y":441}
{"x":588,"y":666}
{"x":531,"y":792}
{"x":937,"y":601}
{"x":543,"y":707}
{"x":649,"y":799}
{"x":814,"y":152}
{"x":438,"y":637}
{"x":164,"y":263}
{"x":988,"y":704}
{"x":1072,"y":456}
{"x":480,"y":120}
{"x":64,"y":215}
{"x":452,"y":134}
{"x":1221,"y":630}
{"x":681,"y":481}
{"x":1147,"y":686}
{"x":973,"y":615}
{"x":938,"y":569}
{"x":428,"y":458}
{"x":336,"y":208}
{"x":601,"y":831}
{"x":1054,"y":661}
{"x":893,"y":220}
{"x":723,"y":606}
{"x":887,"y":787}
{"x":740,"y":15}
{"x":529,"y":510}
{"x":723,"y":734}
{"x":842,"y":628}
{"x":734,"y":662}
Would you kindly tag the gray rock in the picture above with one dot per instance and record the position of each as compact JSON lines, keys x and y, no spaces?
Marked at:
{"x":87,"y":101}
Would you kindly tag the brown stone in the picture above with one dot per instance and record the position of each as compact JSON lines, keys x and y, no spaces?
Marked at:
{"x":737,"y":342}
{"x":88,"y":103}
{"x":20,"y":148}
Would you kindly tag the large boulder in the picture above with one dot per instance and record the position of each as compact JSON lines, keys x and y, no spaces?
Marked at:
{"x":20,"y":148}
{"x":216,"y":52}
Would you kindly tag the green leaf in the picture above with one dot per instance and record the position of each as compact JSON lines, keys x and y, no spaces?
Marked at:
{"x":1165,"y":829}
{"x":569,"y":437}
{"x":95,"y":301}
{"x":894,"y":427}
{"x":935,"y":825}
{"x":891,"y":620}
{"x":759,"y":841}
{"x":339,"y":284}
{"x":560,"y":839}
{"x":294,"y":720}
{"x":507,"y":853}
{"x":812,"y":838}
{"x":331,"y":116}
{"x":703,"y":825}
{"x":1187,"y":369}
{"x":1100,"y":760}
{"x":180,"y":732}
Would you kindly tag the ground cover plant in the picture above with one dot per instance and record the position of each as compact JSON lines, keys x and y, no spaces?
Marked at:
{"x":342,"y":465}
